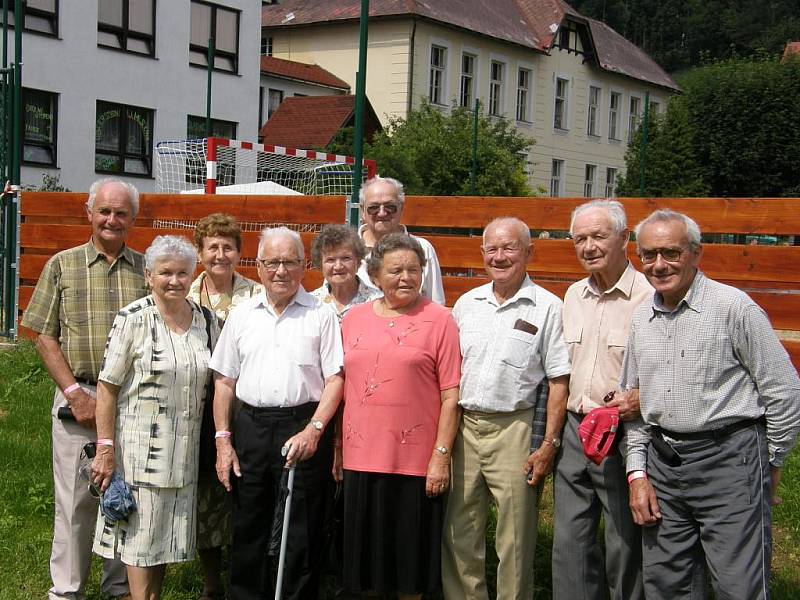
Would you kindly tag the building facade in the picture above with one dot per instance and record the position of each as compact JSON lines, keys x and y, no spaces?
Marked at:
{"x":570,"y":83}
{"x":105,"y":81}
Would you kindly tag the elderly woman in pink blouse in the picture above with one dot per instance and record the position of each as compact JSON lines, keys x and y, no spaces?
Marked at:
{"x":402,"y":371}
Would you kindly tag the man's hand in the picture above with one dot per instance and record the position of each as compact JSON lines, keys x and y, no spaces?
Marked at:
{"x":437,"y":479}
{"x":643,"y":502}
{"x":774,"y":480}
{"x":226,"y":461}
{"x":540,"y":464}
{"x":83,"y":408}
{"x":302,"y":446}
{"x":103,"y":467}
{"x":628,"y":404}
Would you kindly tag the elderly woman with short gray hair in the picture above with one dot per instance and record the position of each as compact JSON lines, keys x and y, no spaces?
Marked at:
{"x":150,"y":395}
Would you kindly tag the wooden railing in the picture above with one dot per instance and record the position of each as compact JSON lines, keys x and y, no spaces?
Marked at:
{"x":770,"y":274}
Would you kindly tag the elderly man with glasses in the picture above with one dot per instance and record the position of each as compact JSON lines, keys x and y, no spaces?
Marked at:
{"x":720,"y":410}
{"x":280,"y":354}
{"x":382,"y":200}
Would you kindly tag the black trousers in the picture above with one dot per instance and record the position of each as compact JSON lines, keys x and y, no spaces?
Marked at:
{"x":259,"y":435}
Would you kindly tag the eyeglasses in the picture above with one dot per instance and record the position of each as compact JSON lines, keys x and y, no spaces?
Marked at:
{"x":272,"y":265}
{"x":670,"y":255}
{"x":374,"y":209}
{"x":492,"y":250}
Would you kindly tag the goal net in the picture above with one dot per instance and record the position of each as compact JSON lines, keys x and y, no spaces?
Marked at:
{"x":222,"y":166}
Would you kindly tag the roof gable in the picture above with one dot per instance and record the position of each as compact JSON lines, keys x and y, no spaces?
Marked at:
{"x":290,"y":69}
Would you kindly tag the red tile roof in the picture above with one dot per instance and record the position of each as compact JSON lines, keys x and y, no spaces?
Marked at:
{"x":528,"y":23}
{"x":792,"y":49}
{"x":290,"y":69}
{"x":310,"y":122}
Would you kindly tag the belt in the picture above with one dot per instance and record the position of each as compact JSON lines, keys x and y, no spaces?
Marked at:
{"x":85,"y":381}
{"x":303,"y":410}
{"x":714,"y":434}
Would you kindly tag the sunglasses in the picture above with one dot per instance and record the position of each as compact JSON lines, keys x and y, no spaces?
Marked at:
{"x":374,"y":209}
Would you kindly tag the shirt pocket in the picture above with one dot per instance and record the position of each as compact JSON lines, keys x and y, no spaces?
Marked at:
{"x":617,"y":341}
{"x":518,"y":347}
{"x":305,"y":349}
{"x":74,"y":308}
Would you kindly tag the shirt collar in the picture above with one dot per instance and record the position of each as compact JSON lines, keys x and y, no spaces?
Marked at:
{"x":694,"y":298}
{"x":624,"y":284}
{"x":526,"y":291}
{"x":301,"y":297}
{"x":363,"y":228}
{"x":92,"y":255}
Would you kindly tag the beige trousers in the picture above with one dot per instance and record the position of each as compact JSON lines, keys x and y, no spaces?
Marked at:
{"x":488,"y":459}
{"x":76,"y":515}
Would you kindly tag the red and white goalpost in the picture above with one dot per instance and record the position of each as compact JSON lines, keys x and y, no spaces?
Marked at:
{"x":223,"y":166}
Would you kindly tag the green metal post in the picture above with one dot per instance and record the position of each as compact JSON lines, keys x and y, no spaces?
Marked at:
{"x":5,"y":34}
{"x":353,"y":216}
{"x":474,"y":173}
{"x":210,"y":58}
{"x":643,"y":154}
{"x":16,"y":145}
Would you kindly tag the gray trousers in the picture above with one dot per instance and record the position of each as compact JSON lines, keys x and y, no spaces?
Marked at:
{"x":715,"y":503}
{"x":583,"y":492}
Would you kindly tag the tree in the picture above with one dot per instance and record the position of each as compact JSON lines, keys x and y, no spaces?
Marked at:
{"x":431,"y":153}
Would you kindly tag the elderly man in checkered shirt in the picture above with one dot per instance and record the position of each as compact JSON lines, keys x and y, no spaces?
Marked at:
{"x":720,"y":406}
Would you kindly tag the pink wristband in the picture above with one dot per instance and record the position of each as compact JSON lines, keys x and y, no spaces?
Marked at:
{"x":222,"y":434}
{"x":105,"y":442}
{"x":634,"y":475}
{"x":68,"y":390}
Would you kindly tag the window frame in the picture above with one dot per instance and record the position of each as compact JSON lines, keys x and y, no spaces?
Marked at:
{"x":613,"y":132}
{"x":561,"y":101}
{"x":524,"y":95}
{"x":593,"y":110}
{"x":266,"y":45}
{"x":122,"y":153}
{"x":557,"y":178}
{"x":589,"y":183}
{"x":124,"y":32}
{"x":52,"y":18}
{"x":52,"y":146}
{"x":612,"y":192}
{"x":496,"y":89}
{"x":233,"y":56}
{"x":271,"y":111}
{"x":634,"y":119}
{"x":437,"y":75}
{"x":470,"y":77}
{"x":214,"y":122}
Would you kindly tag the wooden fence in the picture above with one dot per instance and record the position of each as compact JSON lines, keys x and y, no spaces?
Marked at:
{"x":770,"y":274}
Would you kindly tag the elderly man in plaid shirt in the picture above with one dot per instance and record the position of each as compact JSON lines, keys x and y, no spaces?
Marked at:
{"x":72,"y":309}
{"x":511,"y":340}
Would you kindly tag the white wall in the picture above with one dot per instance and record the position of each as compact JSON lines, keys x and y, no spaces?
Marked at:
{"x":82,"y":73}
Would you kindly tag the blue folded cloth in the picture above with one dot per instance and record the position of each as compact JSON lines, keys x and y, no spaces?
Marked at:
{"x":117,"y":502}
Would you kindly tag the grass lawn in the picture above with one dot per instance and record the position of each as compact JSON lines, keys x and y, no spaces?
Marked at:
{"x":26,"y":501}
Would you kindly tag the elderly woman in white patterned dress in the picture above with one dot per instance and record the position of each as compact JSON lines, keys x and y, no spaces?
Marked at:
{"x":150,"y":396}
{"x":218,"y":240}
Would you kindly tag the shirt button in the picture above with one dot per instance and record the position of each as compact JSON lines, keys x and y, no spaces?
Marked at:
{"x":669,"y":389}
{"x":669,"y":362}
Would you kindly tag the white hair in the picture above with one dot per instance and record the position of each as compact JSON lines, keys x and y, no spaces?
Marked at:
{"x":665,"y":215}
{"x":524,"y":233}
{"x":615,"y":210}
{"x":272,"y":233}
{"x":398,"y":189}
{"x":169,"y":246}
{"x":133,"y":193}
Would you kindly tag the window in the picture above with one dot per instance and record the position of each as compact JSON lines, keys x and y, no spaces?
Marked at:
{"x":561,"y":105}
{"x":496,"y":89}
{"x":266,"y":45}
{"x":40,"y":127}
{"x":274,"y":100}
{"x":129,"y":25}
{"x":655,"y":108}
{"x":467,"y":92}
{"x":196,"y":128}
{"x":594,"y":106}
{"x":123,"y":139}
{"x":633,"y":116}
{"x":220,"y":25}
{"x":437,"y":80}
{"x":526,"y":164}
{"x":39,"y":16}
{"x":613,"y":115}
{"x":588,"y":180}
{"x":611,"y":182}
{"x":556,"y":176}
{"x":523,"y":95}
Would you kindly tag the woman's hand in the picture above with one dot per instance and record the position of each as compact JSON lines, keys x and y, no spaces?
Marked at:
{"x":103,"y":467}
{"x":437,"y":479}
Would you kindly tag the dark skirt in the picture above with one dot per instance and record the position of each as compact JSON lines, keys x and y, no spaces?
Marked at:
{"x":392,"y":534}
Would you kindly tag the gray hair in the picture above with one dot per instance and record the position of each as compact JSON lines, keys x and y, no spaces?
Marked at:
{"x":398,"y":189}
{"x":518,"y":224}
{"x":133,"y":193}
{"x":615,"y":210}
{"x":665,"y":215}
{"x":169,"y":246}
{"x":273,"y":233}
{"x":392,"y":243}
{"x":336,"y":236}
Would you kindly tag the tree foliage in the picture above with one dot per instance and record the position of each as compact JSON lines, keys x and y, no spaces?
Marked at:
{"x":736,"y":129}
{"x":684,"y":33}
{"x":431,"y":153}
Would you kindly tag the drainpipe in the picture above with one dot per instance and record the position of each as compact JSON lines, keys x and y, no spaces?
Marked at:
{"x":409,"y":94}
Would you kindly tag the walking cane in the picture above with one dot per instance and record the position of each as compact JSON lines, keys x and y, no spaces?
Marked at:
{"x":286,"y":513}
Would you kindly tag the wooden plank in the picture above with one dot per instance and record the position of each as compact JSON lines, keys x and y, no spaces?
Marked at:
{"x":793,"y":348}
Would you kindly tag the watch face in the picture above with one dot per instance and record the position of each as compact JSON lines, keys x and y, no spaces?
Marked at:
{"x":316,"y":425}
{"x":556,"y":443}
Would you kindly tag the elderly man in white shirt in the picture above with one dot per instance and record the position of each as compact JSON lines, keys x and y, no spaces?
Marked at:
{"x":280,"y":353}
{"x":382,"y":200}
{"x":511,"y":339}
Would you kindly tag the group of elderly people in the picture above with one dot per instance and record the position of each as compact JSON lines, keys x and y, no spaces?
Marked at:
{"x":442,"y":414}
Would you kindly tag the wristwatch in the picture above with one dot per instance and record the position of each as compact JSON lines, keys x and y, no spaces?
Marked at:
{"x":442,"y":450}
{"x":318,"y":425}
{"x":555,"y":441}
